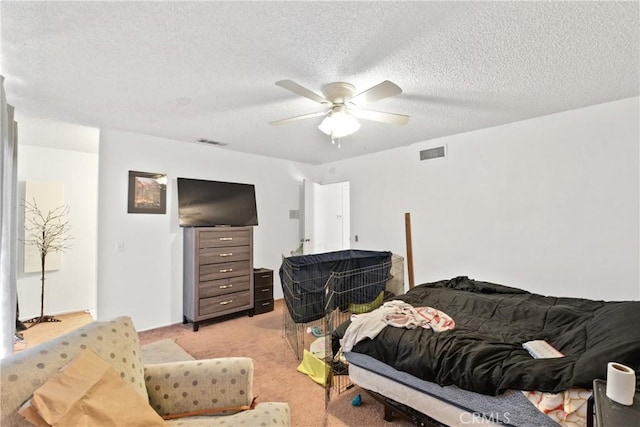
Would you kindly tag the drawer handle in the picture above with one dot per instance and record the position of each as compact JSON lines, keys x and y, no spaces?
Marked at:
{"x":226,"y":302}
{"x":225,"y":239}
{"x":264,"y":304}
{"x":226,"y":270}
{"x":266,"y":290}
{"x":229,"y":254}
{"x":225,"y":286}
{"x":266,"y":276}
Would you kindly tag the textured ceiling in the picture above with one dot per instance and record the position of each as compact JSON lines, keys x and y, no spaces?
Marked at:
{"x":190,"y":70}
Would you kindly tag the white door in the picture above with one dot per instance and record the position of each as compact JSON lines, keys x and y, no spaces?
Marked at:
{"x":346,"y":215}
{"x":326,"y":217}
{"x":308,"y":217}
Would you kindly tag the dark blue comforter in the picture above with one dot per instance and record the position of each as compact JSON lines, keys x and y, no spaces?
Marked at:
{"x":484,"y":352}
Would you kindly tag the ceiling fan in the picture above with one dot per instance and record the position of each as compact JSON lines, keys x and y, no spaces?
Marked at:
{"x":343,"y":107}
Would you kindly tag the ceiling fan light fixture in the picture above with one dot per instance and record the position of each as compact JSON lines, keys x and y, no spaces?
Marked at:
{"x":339,"y":124}
{"x":341,"y":117}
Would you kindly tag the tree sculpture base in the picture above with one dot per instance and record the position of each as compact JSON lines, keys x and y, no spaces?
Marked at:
{"x":42,"y":319}
{"x":20,"y":326}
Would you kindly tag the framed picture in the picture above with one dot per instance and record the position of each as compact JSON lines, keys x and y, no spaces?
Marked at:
{"x":147,"y":192}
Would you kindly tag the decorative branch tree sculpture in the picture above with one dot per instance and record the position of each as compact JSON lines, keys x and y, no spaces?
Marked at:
{"x":49,"y":233}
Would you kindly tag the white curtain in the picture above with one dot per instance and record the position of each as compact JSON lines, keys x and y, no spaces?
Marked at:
{"x":8,"y":223}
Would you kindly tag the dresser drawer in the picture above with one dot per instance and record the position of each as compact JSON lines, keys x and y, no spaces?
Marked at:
{"x":263,"y":292}
{"x":224,"y":270}
{"x":226,"y":254}
{"x":260,"y":307}
{"x":224,"y":302}
{"x":224,"y":238}
{"x":223,"y":286}
{"x":262,"y":276}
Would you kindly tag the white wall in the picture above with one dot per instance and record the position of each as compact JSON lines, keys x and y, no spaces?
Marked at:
{"x":549,"y":204}
{"x":145,"y":280}
{"x":75,"y":165}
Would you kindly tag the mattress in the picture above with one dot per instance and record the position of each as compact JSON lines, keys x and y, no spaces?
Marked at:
{"x":484,"y":353}
{"x":449,"y":405}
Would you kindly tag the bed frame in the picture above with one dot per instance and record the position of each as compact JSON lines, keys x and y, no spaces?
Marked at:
{"x":426,"y":403}
{"x":391,"y":408}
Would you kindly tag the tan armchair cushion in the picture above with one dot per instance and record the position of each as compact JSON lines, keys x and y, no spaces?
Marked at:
{"x":195,"y":385}
{"x":269,"y":414}
{"x":89,"y":392}
{"x":116,"y":341}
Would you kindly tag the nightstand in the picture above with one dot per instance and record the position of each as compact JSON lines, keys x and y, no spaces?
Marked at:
{"x":262,"y":290}
{"x":608,"y":413}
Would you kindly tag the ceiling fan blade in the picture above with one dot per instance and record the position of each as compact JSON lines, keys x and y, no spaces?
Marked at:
{"x":377,"y":92}
{"x":296,"y":118}
{"x":379,"y":116}
{"x":302,"y":91}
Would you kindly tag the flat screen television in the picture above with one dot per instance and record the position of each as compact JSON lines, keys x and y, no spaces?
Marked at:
{"x":215,"y":203}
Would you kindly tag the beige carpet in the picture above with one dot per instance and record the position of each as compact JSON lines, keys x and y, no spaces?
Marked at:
{"x":276,"y":379}
{"x":40,"y":332}
{"x":162,"y":351}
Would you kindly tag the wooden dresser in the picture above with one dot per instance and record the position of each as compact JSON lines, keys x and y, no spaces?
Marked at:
{"x":218,"y":272}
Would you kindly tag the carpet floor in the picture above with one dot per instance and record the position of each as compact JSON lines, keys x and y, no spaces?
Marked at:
{"x":276,"y":379}
{"x":163,"y":351}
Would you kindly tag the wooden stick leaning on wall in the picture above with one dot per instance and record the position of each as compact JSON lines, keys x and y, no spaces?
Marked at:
{"x":407,"y":230}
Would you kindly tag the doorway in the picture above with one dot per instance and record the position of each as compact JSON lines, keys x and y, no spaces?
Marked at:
{"x":326,"y":217}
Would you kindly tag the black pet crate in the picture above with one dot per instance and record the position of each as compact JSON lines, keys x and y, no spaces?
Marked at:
{"x":322,"y":291}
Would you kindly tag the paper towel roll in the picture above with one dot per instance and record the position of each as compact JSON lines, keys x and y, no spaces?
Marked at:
{"x":621,"y":383}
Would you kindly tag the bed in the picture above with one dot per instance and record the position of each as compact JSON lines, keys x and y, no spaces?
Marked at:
{"x":484,"y":355}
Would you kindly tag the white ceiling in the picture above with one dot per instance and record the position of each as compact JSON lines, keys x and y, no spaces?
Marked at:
{"x":190,"y":70}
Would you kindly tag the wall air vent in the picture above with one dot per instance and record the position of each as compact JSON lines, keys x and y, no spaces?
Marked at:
{"x":211,"y":142}
{"x":433,"y":153}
